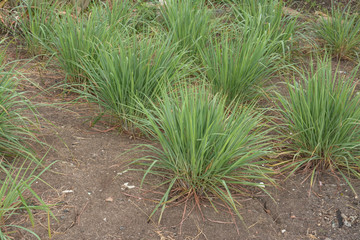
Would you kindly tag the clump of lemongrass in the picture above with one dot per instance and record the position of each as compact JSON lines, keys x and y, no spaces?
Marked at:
{"x":206,"y":147}
{"x":322,"y":121}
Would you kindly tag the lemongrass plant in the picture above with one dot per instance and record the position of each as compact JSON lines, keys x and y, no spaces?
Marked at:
{"x":189,"y":22}
{"x":148,"y":16}
{"x":136,"y":69}
{"x":322,"y":121}
{"x":14,"y":132}
{"x":340,"y":33}
{"x":35,"y":23}
{"x":15,"y":192}
{"x":206,"y":147}
{"x":78,"y":37}
{"x":117,"y":14}
{"x":267,"y":18}
{"x":239,"y":65}
{"x":19,"y":165}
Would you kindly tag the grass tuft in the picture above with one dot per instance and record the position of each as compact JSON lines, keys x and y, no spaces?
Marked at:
{"x":133,"y":70}
{"x":189,"y":22}
{"x":266,"y":18}
{"x":35,"y":23}
{"x":340,"y":33}
{"x":78,"y":37}
{"x":19,"y":165}
{"x":238,"y":66}
{"x":14,"y":132}
{"x":207,"y":149}
{"x":322,"y":121}
{"x":15,"y":193}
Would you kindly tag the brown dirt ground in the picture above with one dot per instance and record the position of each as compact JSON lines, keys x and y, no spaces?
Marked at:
{"x":86,"y":186}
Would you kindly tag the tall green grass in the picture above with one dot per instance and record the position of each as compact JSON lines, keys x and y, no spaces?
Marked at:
{"x":239,"y":65}
{"x":117,"y":14}
{"x":189,"y":22}
{"x":322,"y":121}
{"x":136,"y":69}
{"x":19,"y":165}
{"x":148,"y":17}
{"x":207,"y":148}
{"x":14,"y":132}
{"x":241,"y":61}
{"x":78,"y":37}
{"x":266,"y":17}
{"x":15,"y":197}
{"x":340,"y":33}
{"x":35,"y":23}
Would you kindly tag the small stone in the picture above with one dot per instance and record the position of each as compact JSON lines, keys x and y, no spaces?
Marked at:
{"x":283,"y":231}
{"x":347,"y":223}
{"x":109,"y":199}
{"x":122,"y":227}
{"x":126,"y":185}
{"x":352,"y":218}
{"x":333,"y":224}
{"x":68,"y":191}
